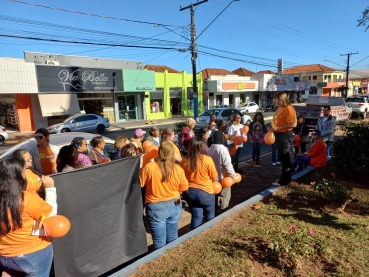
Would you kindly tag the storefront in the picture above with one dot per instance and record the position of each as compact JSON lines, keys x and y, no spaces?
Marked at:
{"x":231,"y":92}
{"x":18,"y":85}
{"x":130,"y":104}
{"x":64,"y":91}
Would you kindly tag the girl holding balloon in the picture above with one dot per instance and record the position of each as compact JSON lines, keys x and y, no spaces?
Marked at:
{"x":200,"y":172}
{"x":235,"y":133}
{"x":21,"y":253}
{"x":284,"y":120}
{"x":257,"y":132}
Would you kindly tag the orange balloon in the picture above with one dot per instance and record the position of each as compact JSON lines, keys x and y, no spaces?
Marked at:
{"x":237,"y":140}
{"x":227,"y":182}
{"x":244,"y":139}
{"x":152,"y":152}
{"x":296,"y":138}
{"x":232,"y":151}
{"x":226,"y":136}
{"x":245,"y":129}
{"x":104,"y":160}
{"x":56,"y":226}
{"x":238,"y":178}
{"x":147,"y":144}
{"x":269,"y":138}
{"x":217,"y":187}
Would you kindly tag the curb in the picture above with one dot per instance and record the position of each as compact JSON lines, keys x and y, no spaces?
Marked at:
{"x":133,"y":268}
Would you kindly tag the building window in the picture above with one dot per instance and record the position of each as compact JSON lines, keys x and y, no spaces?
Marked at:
{"x":175,"y":100}
{"x":190,"y":93}
{"x":313,"y":90}
{"x":296,"y":79}
{"x":315,"y":77}
{"x":175,"y":92}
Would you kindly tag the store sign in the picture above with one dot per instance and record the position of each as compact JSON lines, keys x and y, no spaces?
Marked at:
{"x":144,"y":88}
{"x":280,"y":83}
{"x":225,"y":86}
{"x":56,"y":79}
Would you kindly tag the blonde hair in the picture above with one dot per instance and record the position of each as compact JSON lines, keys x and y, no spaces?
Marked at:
{"x":166,"y":159}
{"x":283,"y":96}
{"x":120,"y":142}
{"x":190,"y":121}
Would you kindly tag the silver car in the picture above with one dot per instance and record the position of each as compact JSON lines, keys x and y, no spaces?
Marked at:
{"x":81,"y":123}
{"x":60,"y":140}
{"x":221,"y":113}
{"x":3,"y":135}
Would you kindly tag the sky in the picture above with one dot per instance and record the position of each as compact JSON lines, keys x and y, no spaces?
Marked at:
{"x":248,"y":34}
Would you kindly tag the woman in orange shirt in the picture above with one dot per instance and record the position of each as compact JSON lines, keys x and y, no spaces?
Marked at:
{"x":33,"y":180}
{"x":284,"y":120}
{"x":163,"y":180}
{"x":169,"y":135}
{"x":200,"y":172}
{"x":23,"y":253}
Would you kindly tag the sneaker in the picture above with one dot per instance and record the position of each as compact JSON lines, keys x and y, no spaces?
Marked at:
{"x":276,"y":184}
{"x":278,"y":163}
{"x":274,"y":164}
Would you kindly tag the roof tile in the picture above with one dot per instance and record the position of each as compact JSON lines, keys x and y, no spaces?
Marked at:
{"x":207,"y":72}
{"x":160,"y":68}
{"x":243,"y":72}
{"x":308,"y":68}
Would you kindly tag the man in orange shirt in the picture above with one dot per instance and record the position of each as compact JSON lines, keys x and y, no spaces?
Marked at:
{"x":284,"y":120}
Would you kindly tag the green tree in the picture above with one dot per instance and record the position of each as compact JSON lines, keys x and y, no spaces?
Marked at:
{"x":364,"y":19}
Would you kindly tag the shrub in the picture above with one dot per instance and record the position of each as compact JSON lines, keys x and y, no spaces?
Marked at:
{"x":178,"y":125}
{"x":352,"y":151}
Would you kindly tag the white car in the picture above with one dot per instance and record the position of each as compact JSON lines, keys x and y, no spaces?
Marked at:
{"x":221,"y":113}
{"x":60,"y":140}
{"x":3,"y":135}
{"x":247,"y":108}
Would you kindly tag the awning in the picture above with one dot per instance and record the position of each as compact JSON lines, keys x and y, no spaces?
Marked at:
{"x":58,"y":104}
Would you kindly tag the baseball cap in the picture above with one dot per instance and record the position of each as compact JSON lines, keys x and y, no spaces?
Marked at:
{"x":139,"y":132}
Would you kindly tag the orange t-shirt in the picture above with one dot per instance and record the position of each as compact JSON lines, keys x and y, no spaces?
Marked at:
{"x":47,"y":160}
{"x":156,"y":190}
{"x":318,"y":154}
{"x":205,"y":174}
{"x":176,"y":149}
{"x":21,"y":241}
{"x":283,"y":116}
{"x":33,"y":181}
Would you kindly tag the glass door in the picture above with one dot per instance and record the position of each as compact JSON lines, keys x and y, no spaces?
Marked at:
{"x":127,"y":107}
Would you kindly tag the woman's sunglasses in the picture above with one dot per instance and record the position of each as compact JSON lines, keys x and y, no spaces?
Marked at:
{"x":38,"y":137}
{"x":313,"y":134}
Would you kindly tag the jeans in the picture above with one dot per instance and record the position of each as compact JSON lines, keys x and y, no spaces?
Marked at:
{"x":274,"y":154}
{"x":329,"y":145}
{"x":256,"y":151}
{"x":163,"y":218}
{"x":235,"y":158}
{"x":201,"y":204}
{"x":300,"y":161}
{"x":36,"y":264}
{"x":283,"y":142}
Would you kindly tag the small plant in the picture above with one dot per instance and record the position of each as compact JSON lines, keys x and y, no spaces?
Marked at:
{"x":293,"y":245}
{"x":335,"y":192}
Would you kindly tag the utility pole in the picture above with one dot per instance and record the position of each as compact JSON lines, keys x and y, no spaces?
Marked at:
{"x":348,"y":69}
{"x":194,"y":55}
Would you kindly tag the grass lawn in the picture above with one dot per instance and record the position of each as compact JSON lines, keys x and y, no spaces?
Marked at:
{"x":308,"y":235}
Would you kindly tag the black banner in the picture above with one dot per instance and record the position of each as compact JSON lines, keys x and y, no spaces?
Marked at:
{"x":104,"y":206}
{"x":58,"y":79}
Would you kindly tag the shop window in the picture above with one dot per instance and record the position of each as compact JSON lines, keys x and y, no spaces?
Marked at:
{"x":156,"y":100}
{"x":296,"y":79}
{"x":315,"y":77}
{"x":190,"y":93}
{"x":313,"y":90}
{"x":175,"y":100}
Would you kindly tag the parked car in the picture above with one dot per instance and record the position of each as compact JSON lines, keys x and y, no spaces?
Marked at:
{"x":220,"y":106}
{"x":221,"y":113}
{"x":247,"y":108}
{"x":60,"y":140}
{"x":81,"y":123}
{"x":3,"y":135}
{"x":360,"y":105}
{"x":271,"y":107}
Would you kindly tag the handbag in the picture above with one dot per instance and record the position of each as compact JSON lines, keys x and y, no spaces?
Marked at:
{"x":304,"y":138}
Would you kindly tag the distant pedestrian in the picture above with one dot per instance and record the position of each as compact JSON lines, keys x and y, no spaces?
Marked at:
{"x":231,"y":121}
{"x":169,"y":135}
{"x":256,"y":134}
{"x":138,"y":138}
{"x":275,"y":158}
{"x":187,"y":133}
{"x":327,"y":126}
{"x":301,"y":130}
{"x":284,"y":120}
{"x":236,"y":130}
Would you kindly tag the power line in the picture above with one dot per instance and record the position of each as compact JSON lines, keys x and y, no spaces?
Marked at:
{"x":90,"y":14}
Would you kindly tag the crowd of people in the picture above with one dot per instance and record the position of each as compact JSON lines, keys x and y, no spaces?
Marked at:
{"x":184,"y":168}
